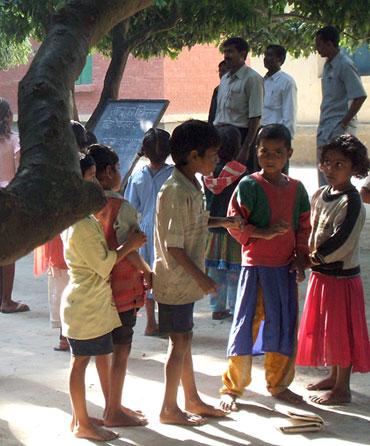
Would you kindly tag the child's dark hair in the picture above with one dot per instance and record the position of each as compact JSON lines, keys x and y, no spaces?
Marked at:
{"x":91,"y":138}
{"x":5,"y":110}
{"x":156,"y":145}
{"x":86,"y":161}
{"x":192,"y":135}
{"x":80,"y":134}
{"x":103,"y":156}
{"x":353,"y":149}
{"x":277,"y":132}
{"x":230,"y":142}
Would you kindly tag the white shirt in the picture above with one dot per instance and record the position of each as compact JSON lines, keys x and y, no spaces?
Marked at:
{"x":280,"y":101}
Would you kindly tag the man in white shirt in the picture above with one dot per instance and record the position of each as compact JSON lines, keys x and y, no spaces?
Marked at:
{"x":280,"y":100}
{"x":240,"y":98}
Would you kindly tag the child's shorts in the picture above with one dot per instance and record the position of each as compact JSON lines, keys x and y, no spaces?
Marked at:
{"x":175,"y":318}
{"x":123,"y":335}
{"x":102,"y":345}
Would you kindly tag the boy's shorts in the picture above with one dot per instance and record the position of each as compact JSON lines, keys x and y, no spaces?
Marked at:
{"x":123,"y":335}
{"x":175,"y":318}
{"x":102,"y":345}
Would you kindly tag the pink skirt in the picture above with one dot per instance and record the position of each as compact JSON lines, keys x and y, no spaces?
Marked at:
{"x":333,"y":328}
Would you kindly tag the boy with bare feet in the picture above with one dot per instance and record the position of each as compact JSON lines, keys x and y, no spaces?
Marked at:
{"x":274,"y":244}
{"x":127,"y":278}
{"x":179,"y":278}
{"x":88,"y":313}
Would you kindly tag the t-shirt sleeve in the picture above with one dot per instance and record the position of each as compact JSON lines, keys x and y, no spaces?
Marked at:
{"x":127,"y":218}
{"x":254,"y":89}
{"x":241,"y":208}
{"x":352,"y":81}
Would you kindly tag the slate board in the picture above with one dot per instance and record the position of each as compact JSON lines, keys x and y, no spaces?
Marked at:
{"x":122,"y":125}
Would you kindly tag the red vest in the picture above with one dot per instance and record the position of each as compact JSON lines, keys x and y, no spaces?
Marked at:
{"x":126,"y":281}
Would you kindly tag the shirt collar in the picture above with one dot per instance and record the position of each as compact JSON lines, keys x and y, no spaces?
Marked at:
{"x":273,"y":76}
{"x":238,"y":74}
{"x":181,"y":178}
{"x":336,"y":59}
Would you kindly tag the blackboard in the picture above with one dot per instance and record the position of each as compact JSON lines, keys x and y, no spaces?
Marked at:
{"x":122,"y":125}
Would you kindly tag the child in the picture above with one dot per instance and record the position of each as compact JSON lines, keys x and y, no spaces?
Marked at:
{"x":223,"y":252}
{"x":179,"y":278}
{"x":333,"y":328}
{"x":274,"y":244}
{"x":88,"y":313}
{"x":141,"y":191}
{"x":9,"y":161}
{"x":127,"y":281}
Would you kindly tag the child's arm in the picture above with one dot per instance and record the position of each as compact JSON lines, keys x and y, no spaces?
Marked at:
{"x":205,"y":283}
{"x":140,"y":264}
{"x":248,"y":230}
{"x":135,"y":240}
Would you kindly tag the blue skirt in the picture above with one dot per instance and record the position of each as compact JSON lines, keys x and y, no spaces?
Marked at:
{"x":280,"y":303}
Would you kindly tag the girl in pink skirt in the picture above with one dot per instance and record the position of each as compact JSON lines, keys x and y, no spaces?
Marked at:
{"x":333,"y":330}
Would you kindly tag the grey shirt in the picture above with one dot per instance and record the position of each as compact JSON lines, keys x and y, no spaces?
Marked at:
{"x":239,"y":97}
{"x":340,"y":84}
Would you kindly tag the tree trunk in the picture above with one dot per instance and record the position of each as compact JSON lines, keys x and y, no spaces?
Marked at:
{"x":48,"y":194}
{"x":113,"y":77}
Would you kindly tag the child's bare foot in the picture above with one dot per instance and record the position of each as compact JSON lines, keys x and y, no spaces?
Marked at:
{"x":228,"y":402}
{"x":95,"y":433}
{"x":132,"y":413}
{"x":205,"y":410}
{"x":14,"y":307}
{"x":122,"y":418}
{"x":325,"y":384}
{"x":93,"y":420}
{"x":332,"y":398}
{"x":181,"y":418}
{"x":289,"y":397}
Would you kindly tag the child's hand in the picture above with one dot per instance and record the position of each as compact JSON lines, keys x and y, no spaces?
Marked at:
{"x":279,"y":228}
{"x":208,"y":285}
{"x":148,"y":278}
{"x":136,"y":238}
{"x":236,"y":222}
{"x":297,"y":266}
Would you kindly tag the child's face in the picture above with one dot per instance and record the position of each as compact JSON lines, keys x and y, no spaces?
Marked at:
{"x":90,"y":173}
{"x":273,"y":155}
{"x":337,"y":169}
{"x":207,"y":163}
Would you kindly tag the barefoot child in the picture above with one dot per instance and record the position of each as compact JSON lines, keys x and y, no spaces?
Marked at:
{"x":333,"y":330}
{"x":274,"y":243}
{"x":88,"y":313}
{"x":223,"y":259}
{"x":127,"y":282}
{"x":141,"y":191}
{"x":179,"y":278}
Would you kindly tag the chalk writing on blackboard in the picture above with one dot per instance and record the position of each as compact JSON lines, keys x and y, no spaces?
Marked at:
{"x":123,"y":123}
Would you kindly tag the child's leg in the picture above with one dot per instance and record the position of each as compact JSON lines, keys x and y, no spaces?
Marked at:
{"x":8,"y":305}
{"x":173,"y":369}
{"x":151,"y":323}
{"x":341,"y":392}
{"x":116,"y":414}
{"x":82,"y":425}
{"x":232,"y":288}
{"x":103,"y":364}
{"x":218,"y":300}
{"x":193,"y":403}
{"x":327,"y":383}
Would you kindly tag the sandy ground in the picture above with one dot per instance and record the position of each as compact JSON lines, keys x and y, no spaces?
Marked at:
{"x":34,"y":402}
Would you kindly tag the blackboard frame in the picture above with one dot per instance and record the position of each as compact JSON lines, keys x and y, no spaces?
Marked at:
{"x":163,"y":102}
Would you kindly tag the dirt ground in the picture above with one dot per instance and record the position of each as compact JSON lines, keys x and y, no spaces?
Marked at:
{"x":34,"y":402}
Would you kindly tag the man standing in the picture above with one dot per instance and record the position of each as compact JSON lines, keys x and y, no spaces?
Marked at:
{"x":240,"y":98}
{"x":280,"y":100}
{"x":342,"y":91}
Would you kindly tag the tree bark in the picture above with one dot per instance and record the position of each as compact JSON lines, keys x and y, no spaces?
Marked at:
{"x":120,"y":52}
{"x":48,"y":194}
